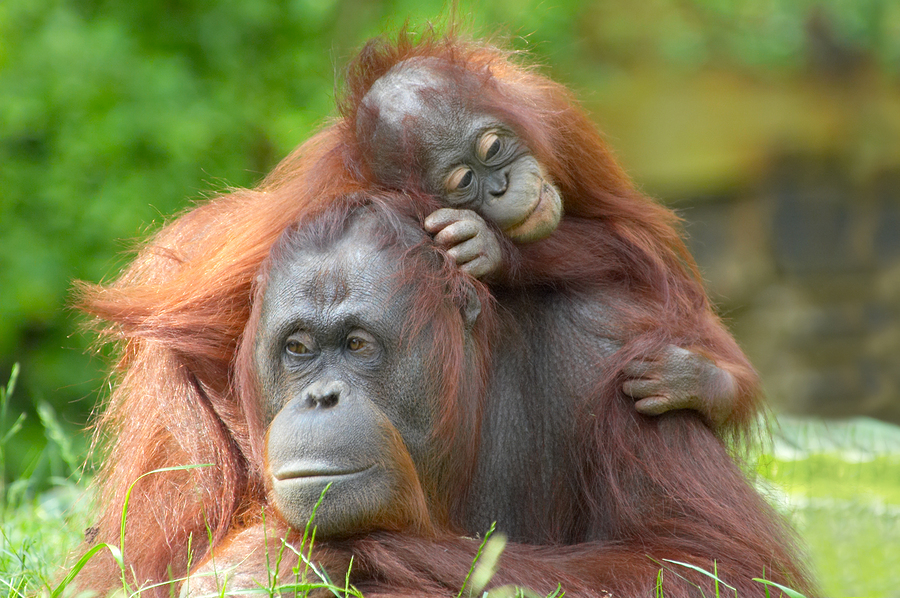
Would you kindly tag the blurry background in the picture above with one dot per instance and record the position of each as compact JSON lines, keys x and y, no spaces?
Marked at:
{"x":772,"y":126}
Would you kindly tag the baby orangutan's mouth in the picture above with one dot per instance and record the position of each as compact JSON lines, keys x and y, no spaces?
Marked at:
{"x":542,"y":219}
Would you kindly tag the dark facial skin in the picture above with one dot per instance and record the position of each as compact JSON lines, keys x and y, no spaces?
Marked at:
{"x":342,"y":403}
{"x":475,"y":164}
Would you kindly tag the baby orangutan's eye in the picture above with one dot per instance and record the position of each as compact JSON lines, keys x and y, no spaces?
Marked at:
{"x":488,"y":146}
{"x":460,"y":178}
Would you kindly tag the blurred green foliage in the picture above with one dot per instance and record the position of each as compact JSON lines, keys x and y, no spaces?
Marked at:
{"x":113,"y":115}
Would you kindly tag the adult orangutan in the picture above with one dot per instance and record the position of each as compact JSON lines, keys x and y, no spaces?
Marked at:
{"x":558,"y":462}
{"x":342,"y":366}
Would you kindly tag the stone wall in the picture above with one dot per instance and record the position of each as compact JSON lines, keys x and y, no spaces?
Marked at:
{"x":805,"y":268}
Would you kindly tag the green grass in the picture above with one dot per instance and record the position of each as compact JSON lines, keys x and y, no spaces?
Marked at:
{"x":36,"y":535}
{"x":840,"y":484}
{"x":36,"y":532}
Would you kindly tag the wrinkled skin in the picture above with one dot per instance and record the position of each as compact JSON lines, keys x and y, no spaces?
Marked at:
{"x":468,"y":239}
{"x":679,"y":379}
{"x":490,"y":181}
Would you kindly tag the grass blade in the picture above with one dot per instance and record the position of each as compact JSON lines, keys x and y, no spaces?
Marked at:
{"x":712,"y":576}
{"x":86,"y":557}
{"x":789,"y":592}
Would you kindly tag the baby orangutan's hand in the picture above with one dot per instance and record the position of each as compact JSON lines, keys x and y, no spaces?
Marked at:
{"x":468,"y":239}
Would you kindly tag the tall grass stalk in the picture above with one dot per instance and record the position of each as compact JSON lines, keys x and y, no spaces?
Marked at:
{"x":6,"y":434}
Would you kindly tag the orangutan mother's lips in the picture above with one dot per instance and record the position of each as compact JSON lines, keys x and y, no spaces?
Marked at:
{"x":316,"y":470}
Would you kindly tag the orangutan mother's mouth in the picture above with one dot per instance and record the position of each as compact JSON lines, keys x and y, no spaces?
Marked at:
{"x":307,"y":471}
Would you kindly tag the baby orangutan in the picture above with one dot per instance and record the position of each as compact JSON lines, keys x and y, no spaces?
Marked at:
{"x":423,"y":125}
